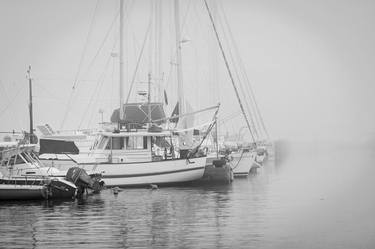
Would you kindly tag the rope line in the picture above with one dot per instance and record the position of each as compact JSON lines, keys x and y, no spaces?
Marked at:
{"x":249,"y":88}
{"x":79,"y":66}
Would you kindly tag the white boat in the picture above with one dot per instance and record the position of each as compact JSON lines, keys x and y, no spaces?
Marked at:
{"x":22,"y":177}
{"x":131,"y":159}
{"x":261,"y":154}
{"x":131,"y":155}
{"x":243,"y":162}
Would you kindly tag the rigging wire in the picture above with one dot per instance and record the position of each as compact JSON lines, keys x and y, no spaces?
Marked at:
{"x":79,"y":65}
{"x":227,"y":66}
{"x":95,"y":56}
{"x":241,"y":73}
{"x":150,"y":44}
{"x":237,"y":73}
{"x":15,"y":118}
{"x":229,"y":117}
{"x":138,"y":62}
{"x":111,"y":102}
{"x":103,"y":42}
{"x":127,"y":8}
{"x":174,"y":53}
{"x":10,"y":101}
{"x":245,"y":85}
{"x":158,"y":48}
{"x":257,"y":111}
{"x":98,"y":86}
{"x":50,"y":93}
{"x":85,"y":46}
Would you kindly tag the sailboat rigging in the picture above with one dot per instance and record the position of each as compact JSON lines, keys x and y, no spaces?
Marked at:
{"x":140,"y":154}
{"x":246,"y":159}
{"x":229,"y":71}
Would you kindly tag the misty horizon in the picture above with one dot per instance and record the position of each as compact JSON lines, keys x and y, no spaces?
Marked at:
{"x":310,"y":64}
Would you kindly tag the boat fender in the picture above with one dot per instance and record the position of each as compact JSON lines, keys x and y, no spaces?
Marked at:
{"x":116,"y":190}
{"x":154,"y":187}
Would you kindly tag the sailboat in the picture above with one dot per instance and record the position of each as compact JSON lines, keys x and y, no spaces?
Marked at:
{"x":246,"y":159}
{"x":130,"y":155}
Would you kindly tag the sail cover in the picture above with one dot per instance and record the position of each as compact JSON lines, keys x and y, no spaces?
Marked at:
{"x":53,"y":146}
{"x":138,"y":113}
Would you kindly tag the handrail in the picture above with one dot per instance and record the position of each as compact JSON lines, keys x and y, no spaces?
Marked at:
{"x":186,"y":114}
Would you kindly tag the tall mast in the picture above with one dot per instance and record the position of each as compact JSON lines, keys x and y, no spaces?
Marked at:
{"x":149,"y":98}
{"x":215,"y":85}
{"x":181,"y":104}
{"x":31,"y":140}
{"x":159,"y":62}
{"x":121,"y":110}
{"x":229,"y":71}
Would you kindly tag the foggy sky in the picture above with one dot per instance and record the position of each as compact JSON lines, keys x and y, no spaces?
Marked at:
{"x":311,"y":63}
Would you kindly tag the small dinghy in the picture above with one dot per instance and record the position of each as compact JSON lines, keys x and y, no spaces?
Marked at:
{"x":23,"y":177}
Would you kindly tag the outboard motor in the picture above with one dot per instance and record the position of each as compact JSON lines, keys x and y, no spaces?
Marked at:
{"x":83,"y":181}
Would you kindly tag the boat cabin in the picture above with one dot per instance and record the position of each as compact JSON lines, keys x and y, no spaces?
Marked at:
{"x":129,"y":147}
{"x":22,"y":161}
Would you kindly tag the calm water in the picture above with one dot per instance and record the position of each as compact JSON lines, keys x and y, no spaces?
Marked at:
{"x":309,"y":198}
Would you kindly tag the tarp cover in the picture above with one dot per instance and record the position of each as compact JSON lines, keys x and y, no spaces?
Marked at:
{"x":138,"y":113}
{"x":52,"y":146}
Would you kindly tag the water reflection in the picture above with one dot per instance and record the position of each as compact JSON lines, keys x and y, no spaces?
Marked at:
{"x":307,"y":200}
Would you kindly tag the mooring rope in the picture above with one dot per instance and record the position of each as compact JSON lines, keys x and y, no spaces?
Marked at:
{"x":243,"y":151}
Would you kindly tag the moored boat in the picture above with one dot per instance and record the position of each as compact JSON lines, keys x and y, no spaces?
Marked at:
{"x":134,"y":154}
{"x":243,"y":162}
{"x":23,"y":177}
{"x":131,"y":159}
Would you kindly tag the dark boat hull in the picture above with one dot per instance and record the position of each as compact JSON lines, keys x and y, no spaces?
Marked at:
{"x":17,"y":189}
{"x":21,"y":192}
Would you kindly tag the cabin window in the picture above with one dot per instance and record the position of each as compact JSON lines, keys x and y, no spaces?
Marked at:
{"x":117,"y":143}
{"x":102,"y":143}
{"x":136,"y":143}
{"x":145,"y":143}
{"x":16,"y":159}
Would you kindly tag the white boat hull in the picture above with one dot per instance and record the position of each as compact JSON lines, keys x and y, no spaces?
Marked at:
{"x":243,"y":163}
{"x":260,"y":158}
{"x":143,"y":173}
